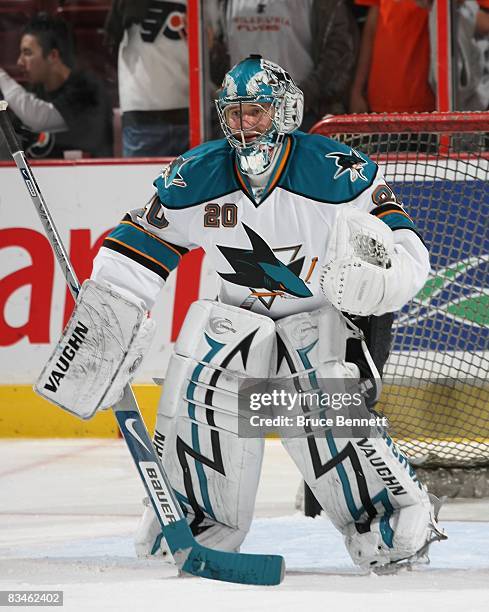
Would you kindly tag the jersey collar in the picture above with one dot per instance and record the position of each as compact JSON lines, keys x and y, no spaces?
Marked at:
{"x":278,"y":171}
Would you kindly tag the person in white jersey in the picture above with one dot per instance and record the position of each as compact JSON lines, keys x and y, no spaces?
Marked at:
{"x":152,"y":75}
{"x":301,"y":230}
{"x":316,"y":39}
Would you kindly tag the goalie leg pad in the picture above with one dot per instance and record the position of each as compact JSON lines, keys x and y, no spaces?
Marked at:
{"x":413,"y":529}
{"x":366,"y":485}
{"x":98,"y":353}
{"x":148,"y":539}
{"x":214,"y":472}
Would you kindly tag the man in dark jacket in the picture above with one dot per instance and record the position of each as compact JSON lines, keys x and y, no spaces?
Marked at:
{"x":316,"y":39}
{"x":65,"y":112}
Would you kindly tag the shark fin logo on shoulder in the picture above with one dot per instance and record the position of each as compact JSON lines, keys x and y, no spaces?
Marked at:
{"x":351,"y":162}
{"x":171,"y":174}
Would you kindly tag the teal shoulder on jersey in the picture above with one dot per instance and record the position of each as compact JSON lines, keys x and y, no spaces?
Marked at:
{"x":318,"y":168}
{"x":201,"y":174}
{"x":326,"y":170}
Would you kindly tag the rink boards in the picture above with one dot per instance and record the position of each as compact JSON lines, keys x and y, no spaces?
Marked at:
{"x":86,"y":199}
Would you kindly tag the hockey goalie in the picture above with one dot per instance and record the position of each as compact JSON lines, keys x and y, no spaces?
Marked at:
{"x":304,"y":234}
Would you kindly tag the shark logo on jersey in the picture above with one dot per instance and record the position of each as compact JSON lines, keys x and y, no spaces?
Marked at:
{"x":258,"y":268}
{"x":352,"y":163}
{"x":172,"y":175}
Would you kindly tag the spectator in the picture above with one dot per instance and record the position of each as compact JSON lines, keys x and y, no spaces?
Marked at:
{"x":66,"y":109}
{"x":393,"y":66}
{"x":471,"y":67}
{"x":317,"y":40}
{"x":393,"y":70}
{"x":152,"y":74}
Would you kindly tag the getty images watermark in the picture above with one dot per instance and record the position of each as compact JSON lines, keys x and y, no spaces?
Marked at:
{"x":295,"y":407}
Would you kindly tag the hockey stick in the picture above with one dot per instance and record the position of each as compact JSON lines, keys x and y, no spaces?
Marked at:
{"x":189,"y":555}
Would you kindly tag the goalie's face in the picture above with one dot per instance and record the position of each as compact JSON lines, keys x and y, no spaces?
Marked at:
{"x":248,"y":121}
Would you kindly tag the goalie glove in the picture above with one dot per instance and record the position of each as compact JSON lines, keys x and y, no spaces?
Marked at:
{"x":366,"y":273}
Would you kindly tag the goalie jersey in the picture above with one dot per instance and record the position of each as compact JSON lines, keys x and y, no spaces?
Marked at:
{"x":267,"y":251}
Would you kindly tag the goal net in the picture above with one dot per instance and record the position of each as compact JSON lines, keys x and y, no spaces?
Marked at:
{"x":436,"y":386}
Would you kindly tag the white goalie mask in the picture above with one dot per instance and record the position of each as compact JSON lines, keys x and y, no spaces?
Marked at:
{"x":258,"y":104}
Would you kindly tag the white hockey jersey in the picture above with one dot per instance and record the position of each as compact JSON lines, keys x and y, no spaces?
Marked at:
{"x":268,"y":253}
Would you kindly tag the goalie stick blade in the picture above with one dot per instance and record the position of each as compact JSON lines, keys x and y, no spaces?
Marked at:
{"x":193,"y":558}
{"x":190,"y":556}
{"x":265,"y":570}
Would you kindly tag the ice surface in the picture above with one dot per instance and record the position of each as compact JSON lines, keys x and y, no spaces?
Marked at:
{"x":68,"y":509}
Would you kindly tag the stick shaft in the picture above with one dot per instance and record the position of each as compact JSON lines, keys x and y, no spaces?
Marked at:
{"x":38,"y":200}
{"x":8,"y":130}
{"x":189,"y":555}
{"x":128,"y":404}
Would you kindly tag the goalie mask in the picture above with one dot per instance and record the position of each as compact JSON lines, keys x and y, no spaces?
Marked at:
{"x":257,"y":105}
